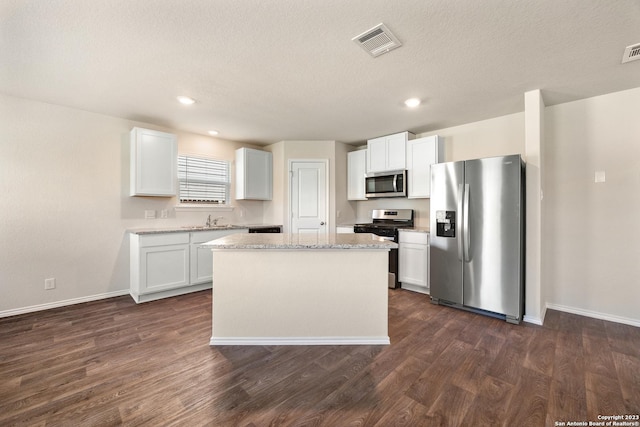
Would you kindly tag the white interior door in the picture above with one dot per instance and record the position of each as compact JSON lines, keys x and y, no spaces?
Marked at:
{"x":308,"y":196}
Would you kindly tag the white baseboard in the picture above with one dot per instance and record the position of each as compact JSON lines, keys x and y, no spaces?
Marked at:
{"x":532,"y":319}
{"x":299,"y":341}
{"x":63,"y":303}
{"x":536,"y":320}
{"x":170,"y":293}
{"x":594,"y":314}
{"x":415,"y":288}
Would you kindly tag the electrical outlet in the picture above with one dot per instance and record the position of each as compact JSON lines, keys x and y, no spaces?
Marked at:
{"x":49,"y":284}
{"x":164,"y":213}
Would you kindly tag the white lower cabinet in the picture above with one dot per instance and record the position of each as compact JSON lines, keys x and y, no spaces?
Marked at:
{"x":169,"y":264}
{"x":201,"y":258}
{"x":413,"y":261}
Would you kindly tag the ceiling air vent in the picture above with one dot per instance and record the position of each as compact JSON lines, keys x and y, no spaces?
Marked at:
{"x":377,"y":40}
{"x":631,"y":53}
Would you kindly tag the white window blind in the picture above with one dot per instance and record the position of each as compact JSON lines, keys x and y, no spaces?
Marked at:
{"x":203,"y":180}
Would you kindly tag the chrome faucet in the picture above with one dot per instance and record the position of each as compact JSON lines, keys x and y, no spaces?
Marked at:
{"x":212,"y":222}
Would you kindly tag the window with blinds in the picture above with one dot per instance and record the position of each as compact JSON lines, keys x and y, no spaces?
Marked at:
{"x":203,"y":180}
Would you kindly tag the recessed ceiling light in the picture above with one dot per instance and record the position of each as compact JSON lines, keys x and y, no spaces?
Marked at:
{"x":412,"y":102}
{"x":185,"y":100}
{"x":213,"y":132}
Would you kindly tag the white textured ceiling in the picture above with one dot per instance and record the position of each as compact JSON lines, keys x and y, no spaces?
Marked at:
{"x":264,"y":71}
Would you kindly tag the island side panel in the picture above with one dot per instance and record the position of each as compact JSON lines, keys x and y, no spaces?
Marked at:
{"x":304,"y":296}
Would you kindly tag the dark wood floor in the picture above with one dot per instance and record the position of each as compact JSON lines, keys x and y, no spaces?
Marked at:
{"x":112,"y":362}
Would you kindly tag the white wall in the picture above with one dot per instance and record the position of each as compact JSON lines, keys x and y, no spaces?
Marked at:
{"x":65,"y":209}
{"x":334,"y":152}
{"x":590,"y":255}
{"x":591,"y":232}
{"x":534,"y":144}
{"x":274,"y":210}
{"x":420,"y":208}
{"x":64,"y":172}
{"x":345,"y":210}
{"x":494,"y":137}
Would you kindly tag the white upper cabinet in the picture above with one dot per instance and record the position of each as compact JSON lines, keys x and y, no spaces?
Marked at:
{"x":377,"y":154}
{"x":421,"y":154}
{"x":153,"y":163}
{"x":356,"y":170}
{"x":388,"y":153}
{"x":254,"y":174}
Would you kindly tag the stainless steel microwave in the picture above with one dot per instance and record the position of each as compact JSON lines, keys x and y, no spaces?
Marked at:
{"x":386,"y":184}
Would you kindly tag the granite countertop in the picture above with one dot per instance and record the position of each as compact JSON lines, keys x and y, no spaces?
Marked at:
{"x":301,"y":241}
{"x":189,"y":228}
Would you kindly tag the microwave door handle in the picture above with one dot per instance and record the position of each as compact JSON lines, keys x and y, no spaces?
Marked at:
{"x":395,"y":183}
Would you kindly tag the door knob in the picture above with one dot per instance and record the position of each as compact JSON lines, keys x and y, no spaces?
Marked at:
{"x":322,"y":223}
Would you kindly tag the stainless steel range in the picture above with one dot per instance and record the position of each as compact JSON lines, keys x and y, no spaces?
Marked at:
{"x":386,"y":223}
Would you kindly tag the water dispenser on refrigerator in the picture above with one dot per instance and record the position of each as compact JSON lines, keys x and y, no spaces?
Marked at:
{"x":446,"y":223}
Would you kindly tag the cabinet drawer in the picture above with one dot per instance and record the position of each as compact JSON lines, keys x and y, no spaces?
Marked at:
{"x":414,"y":237}
{"x":163,"y":239}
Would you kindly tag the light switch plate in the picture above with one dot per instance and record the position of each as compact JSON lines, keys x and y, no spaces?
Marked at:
{"x":149,"y":214}
{"x":600,"y":176}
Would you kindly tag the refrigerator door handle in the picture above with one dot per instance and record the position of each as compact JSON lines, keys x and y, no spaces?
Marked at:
{"x":465,"y":224}
{"x":461,"y":230}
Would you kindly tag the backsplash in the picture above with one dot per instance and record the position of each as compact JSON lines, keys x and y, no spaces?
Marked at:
{"x":420,"y":207}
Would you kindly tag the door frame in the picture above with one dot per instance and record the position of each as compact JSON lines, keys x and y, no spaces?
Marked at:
{"x":289,"y":221}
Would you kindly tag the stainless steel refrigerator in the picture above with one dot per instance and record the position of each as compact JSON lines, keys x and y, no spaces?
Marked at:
{"x":477,"y":236}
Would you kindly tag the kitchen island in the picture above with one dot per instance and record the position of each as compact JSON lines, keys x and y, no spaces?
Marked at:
{"x":288,"y":289}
